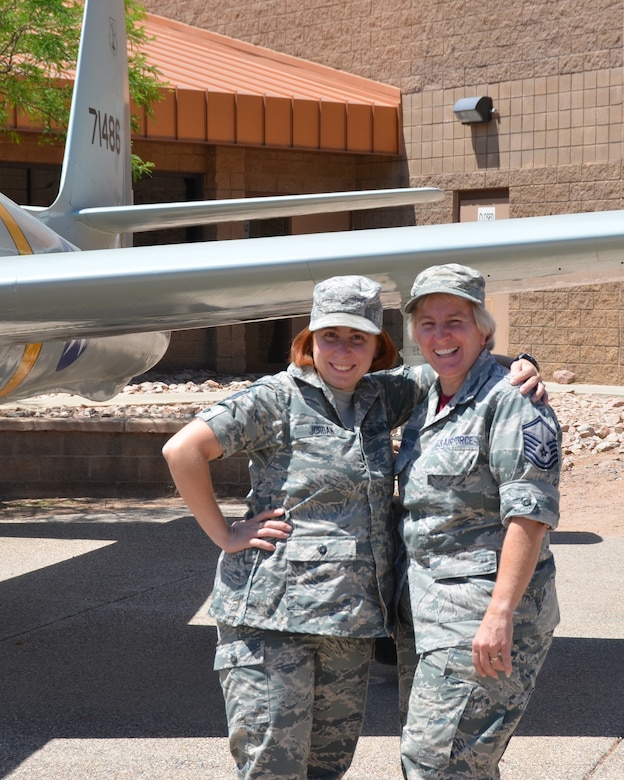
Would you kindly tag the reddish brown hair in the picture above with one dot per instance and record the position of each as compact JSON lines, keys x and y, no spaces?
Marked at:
{"x":385,"y":356}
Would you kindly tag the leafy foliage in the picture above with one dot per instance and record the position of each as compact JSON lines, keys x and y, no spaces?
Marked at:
{"x":39,"y":42}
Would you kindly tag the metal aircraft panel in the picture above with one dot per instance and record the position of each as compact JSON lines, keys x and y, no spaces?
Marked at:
{"x":128,"y":290}
{"x":166,"y":215}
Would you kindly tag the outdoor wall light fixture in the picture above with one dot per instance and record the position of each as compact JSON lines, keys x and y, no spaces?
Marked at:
{"x":472,"y":110}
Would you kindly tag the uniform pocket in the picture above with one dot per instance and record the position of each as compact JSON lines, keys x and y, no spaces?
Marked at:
{"x":320,"y":573}
{"x":239,"y":652}
{"x":320,"y":549}
{"x":436,"y":706}
{"x":454,"y":588}
{"x":452,"y":468}
{"x":465,"y":563}
{"x":240,"y":663}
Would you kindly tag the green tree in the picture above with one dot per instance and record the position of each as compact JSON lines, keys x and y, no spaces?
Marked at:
{"x":39,"y":42}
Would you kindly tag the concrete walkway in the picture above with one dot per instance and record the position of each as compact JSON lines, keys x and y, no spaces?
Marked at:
{"x":106,"y":651}
{"x":106,"y":655}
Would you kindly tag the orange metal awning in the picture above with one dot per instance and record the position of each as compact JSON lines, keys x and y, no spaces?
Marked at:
{"x":228,"y":91}
{"x":224,"y":91}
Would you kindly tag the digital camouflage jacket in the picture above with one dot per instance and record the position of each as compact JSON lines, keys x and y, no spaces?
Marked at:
{"x":489,"y":455}
{"x":335,"y":573}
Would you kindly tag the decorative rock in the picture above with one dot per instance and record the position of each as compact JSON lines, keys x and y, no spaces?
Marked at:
{"x":564,"y":377}
{"x":590,"y":423}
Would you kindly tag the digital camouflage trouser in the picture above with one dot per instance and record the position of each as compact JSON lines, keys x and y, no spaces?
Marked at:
{"x":294,"y":702}
{"x":407,"y":657}
{"x":459,"y":724}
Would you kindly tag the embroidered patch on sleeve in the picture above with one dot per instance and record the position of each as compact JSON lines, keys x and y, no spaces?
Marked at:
{"x":540,"y":444}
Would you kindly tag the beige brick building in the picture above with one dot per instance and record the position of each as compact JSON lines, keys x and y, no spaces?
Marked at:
{"x":554,"y":72}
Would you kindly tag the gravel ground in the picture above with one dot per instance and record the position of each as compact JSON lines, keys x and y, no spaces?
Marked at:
{"x":591,"y":423}
{"x":593,"y":440}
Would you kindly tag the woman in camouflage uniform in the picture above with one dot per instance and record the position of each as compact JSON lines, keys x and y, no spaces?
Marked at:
{"x":304,"y":581}
{"x":478,"y":474}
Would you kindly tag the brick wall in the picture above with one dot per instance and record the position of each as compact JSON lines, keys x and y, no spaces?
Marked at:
{"x":422,"y":45}
{"x":99,"y":458}
{"x":575,"y":328}
{"x":554,"y":71}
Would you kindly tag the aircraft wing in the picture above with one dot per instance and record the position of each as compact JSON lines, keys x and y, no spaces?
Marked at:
{"x":141,"y":218}
{"x":107,"y":292}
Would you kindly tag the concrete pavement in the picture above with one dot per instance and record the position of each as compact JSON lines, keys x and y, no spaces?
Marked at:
{"x":106,"y":655}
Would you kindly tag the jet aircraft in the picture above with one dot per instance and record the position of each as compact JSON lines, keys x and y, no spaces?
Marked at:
{"x":86,"y":321}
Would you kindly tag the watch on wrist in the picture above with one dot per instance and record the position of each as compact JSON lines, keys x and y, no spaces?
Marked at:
{"x":528,"y":357}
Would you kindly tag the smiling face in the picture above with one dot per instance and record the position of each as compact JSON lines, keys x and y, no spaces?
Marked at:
{"x":343,"y":355}
{"x":445,"y":329}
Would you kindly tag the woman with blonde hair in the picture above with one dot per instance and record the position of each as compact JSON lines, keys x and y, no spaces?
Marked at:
{"x":478,"y":473}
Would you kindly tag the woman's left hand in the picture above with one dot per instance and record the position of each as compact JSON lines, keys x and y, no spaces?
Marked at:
{"x":522,"y":372}
{"x":491,"y":647}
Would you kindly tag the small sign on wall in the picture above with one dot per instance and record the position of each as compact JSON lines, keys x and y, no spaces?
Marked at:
{"x":486,"y":213}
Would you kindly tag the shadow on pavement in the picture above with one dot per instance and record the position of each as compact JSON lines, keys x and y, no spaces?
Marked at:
{"x":102,"y":645}
{"x":579,"y":691}
{"x":574,"y":537}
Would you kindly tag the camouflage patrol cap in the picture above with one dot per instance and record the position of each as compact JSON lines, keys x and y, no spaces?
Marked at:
{"x":452,"y":279}
{"x":347,"y":301}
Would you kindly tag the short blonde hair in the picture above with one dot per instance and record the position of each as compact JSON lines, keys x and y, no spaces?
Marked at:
{"x":483,"y":319}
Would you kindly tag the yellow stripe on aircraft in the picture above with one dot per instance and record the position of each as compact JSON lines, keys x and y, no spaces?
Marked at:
{"x":19,"y":239}
{"x":31,"y":351}
{"x":29,"y":358}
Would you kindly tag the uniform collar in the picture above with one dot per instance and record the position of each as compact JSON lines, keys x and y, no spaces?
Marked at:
{"x":363,"y":396}
{"x":477,"y":375}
